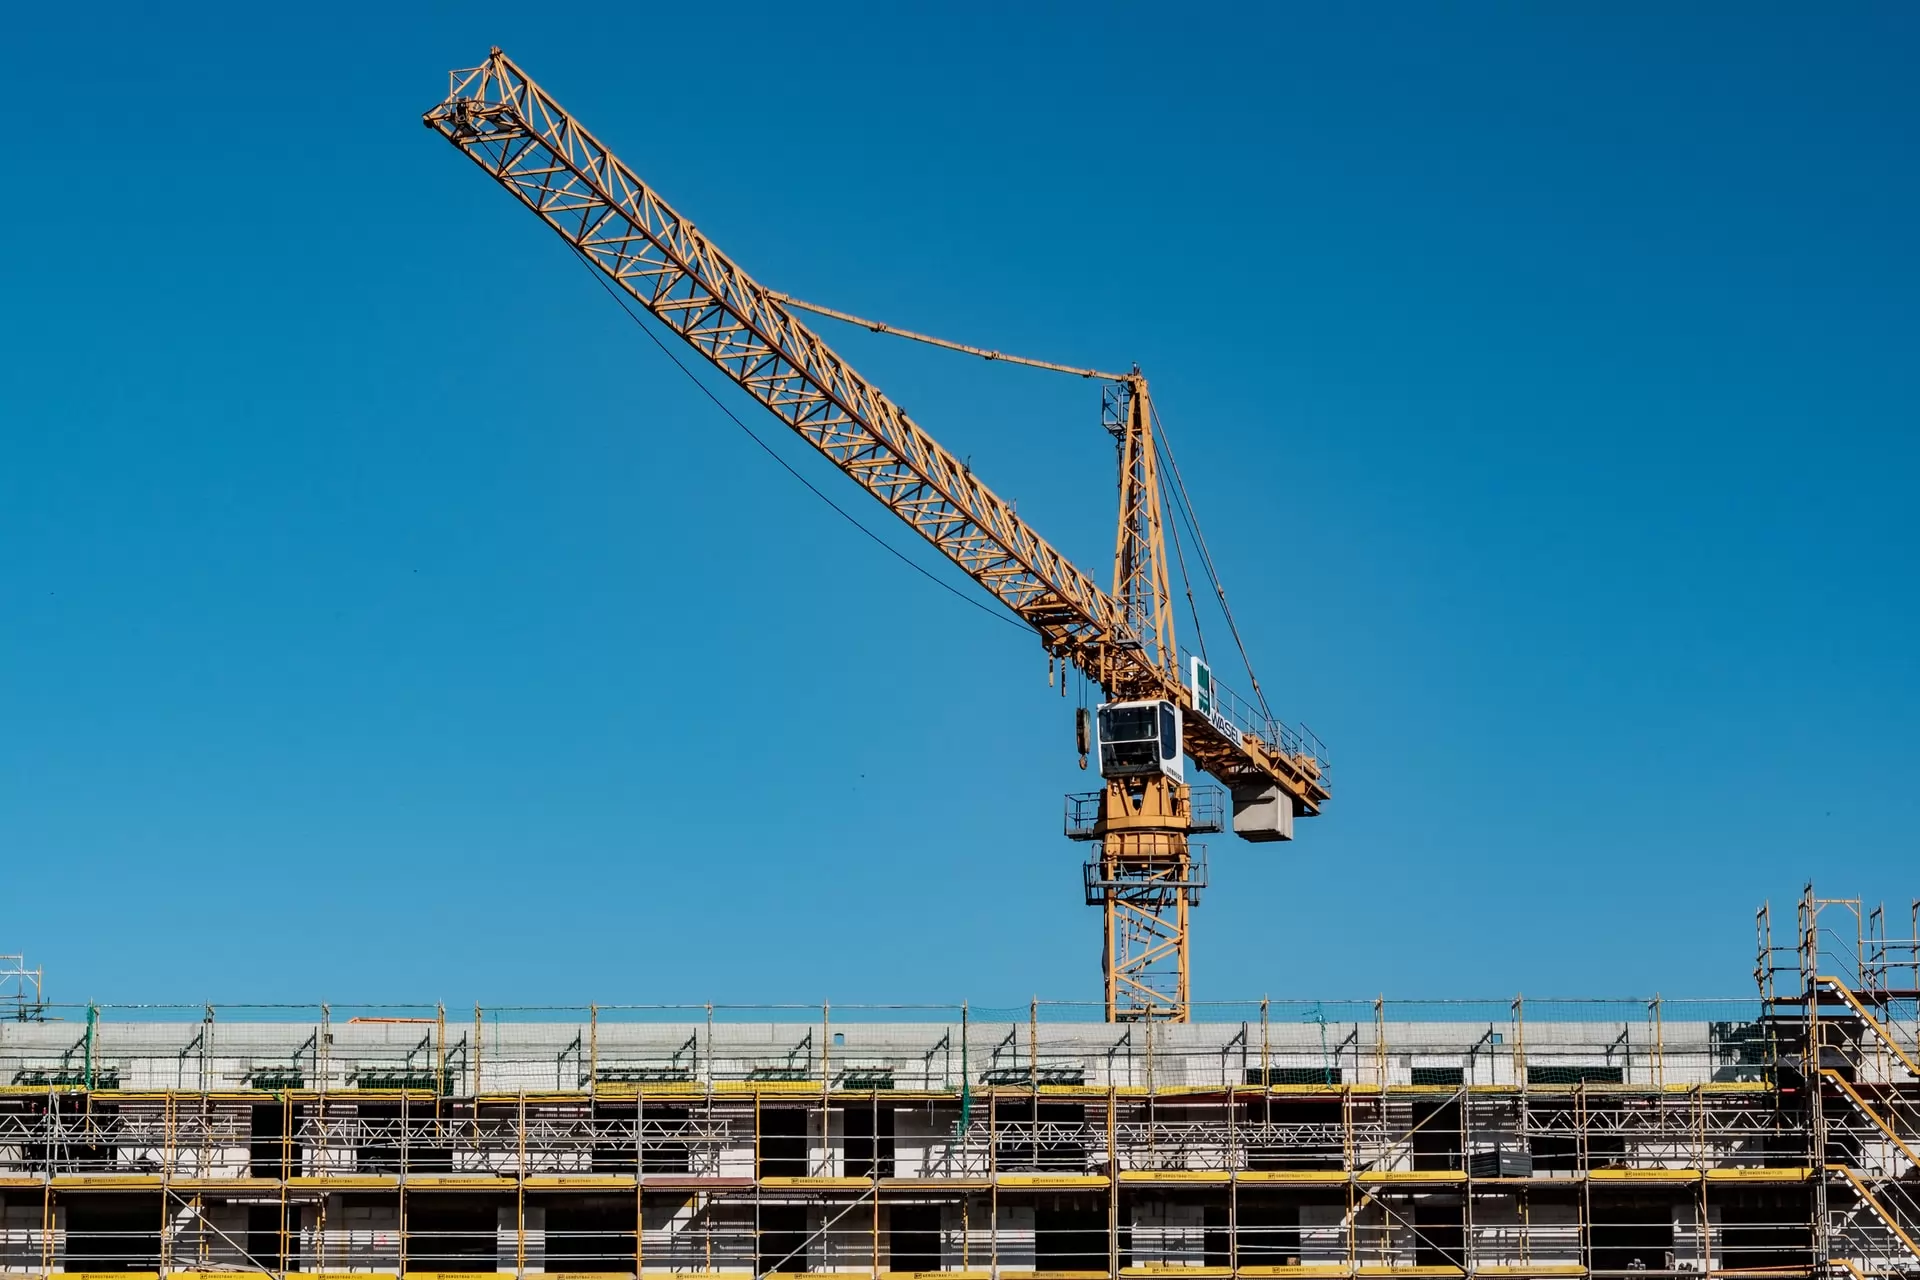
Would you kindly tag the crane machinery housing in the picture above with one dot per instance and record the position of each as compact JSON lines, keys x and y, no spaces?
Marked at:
{"x":1146,"y":875}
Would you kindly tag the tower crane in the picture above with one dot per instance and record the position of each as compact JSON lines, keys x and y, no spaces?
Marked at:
{"x":1143,"y":872}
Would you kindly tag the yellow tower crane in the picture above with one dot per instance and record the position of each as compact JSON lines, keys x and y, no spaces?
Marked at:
{"x":1146,"y":876}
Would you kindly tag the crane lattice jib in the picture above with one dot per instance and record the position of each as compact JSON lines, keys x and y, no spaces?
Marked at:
{"x":529,"y":144}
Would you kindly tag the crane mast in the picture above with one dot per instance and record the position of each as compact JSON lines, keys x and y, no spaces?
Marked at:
{"x":1143,"y":878}
{"x":1144,"y":875}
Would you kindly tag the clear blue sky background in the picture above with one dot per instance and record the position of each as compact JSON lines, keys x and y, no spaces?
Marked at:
{"x":382,"y":617}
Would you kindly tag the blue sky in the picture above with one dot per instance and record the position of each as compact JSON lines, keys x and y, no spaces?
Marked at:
{"x":381,"y":617}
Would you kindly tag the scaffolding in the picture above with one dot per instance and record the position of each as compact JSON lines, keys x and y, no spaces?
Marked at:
{"x":22,"y":990}
{"x":1839,"y":1000}
{"x":1770,"y":1135}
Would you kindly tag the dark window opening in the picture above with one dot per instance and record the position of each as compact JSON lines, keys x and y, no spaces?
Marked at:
{"x":1765,"y":1230}
{"x":783,"y":1143}
{"x":1293,"y":1133}
{"x":378,"y":1137}
{"x":783,"y":1235}
{"x":1440,"y":1075}
{"x":395,"y":1139}
{"x":1051,"y":1135}
{"x":1130,"y":740}
{"x":1070,"y":1238}
{"x":267,"y":1143}
{"x":113,"y":1232}
{"x":616,"y":1143}
{"x":452,"y":1234}
{"x":590,"y":1234}
{"x":1269,"y":1233}
{"x":1216,"y":1236}
{"x":263,"y":1237}
{"x":1328,"y":1074}
{"x":1436,"y":1135}
{"x":1551,"y":1074}
{"x":1553,"y":1140}
{"x":70,"y":1140}
{"x":1440,"y":1235}
{"x":1631,"y":1235}
{"x":868,"y":1128}
{"x":913,"y":1237}
{"x":663,"y":1146}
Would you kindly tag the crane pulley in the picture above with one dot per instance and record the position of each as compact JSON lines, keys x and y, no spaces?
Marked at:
{"x":1123,"y":640}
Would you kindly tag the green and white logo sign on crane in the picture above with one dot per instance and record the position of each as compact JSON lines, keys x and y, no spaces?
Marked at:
{"x":1204,"y":700}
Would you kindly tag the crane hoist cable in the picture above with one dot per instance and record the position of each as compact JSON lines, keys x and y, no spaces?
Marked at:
{"x":1186,"y":585}
{"x":984,"y":353}
{"x":1179,"y":501}
{"x":1206,"y":558}
{"x":786,"y":466}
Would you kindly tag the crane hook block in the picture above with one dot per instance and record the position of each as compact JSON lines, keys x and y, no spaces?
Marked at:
{"x":1083,"y":733}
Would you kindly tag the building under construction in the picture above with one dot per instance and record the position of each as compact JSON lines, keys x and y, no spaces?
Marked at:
{"x":1145,"y":1134}
{"x":1769,"y":1135}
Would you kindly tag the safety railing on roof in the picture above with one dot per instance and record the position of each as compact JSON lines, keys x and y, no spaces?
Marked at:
{"x":605,"y":1049}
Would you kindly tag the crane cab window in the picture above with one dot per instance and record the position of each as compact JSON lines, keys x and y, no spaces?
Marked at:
{"x":1138,"y":739}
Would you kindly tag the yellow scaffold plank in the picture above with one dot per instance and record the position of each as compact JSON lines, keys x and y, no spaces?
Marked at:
{"x":1054,"y":1182}
{"x":1534,"y":1269}
{"x":1759,"y":1175}
{"x":107,"y":1181}
{"x":1309,"y":1271}
{"x":1163,"y":1269}
{"x":347,"y":1182}
{"x":231,"y":1186}
{"x":1191,"y":1091}
{"x":580,"y":1181}
{"x":893,"y":1095}
{"x":342,"y":1275}
{"x":1304,"y":1177}
{"x":538,"y":1096}
{"x":1371,"y":1270}
{"x":1375,"y":1176}
{"x":1190,"y":1177}
{"x":469,"y":1181}
{"x":1666,"y":1176}
{"x":816,"y":1184}
{"x":423,"y":1097}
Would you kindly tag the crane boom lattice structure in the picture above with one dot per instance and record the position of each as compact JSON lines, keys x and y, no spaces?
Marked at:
{"x":1123,"y":641}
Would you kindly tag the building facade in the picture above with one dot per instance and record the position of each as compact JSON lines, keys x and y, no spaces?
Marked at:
{"x":1768,"y":1136}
